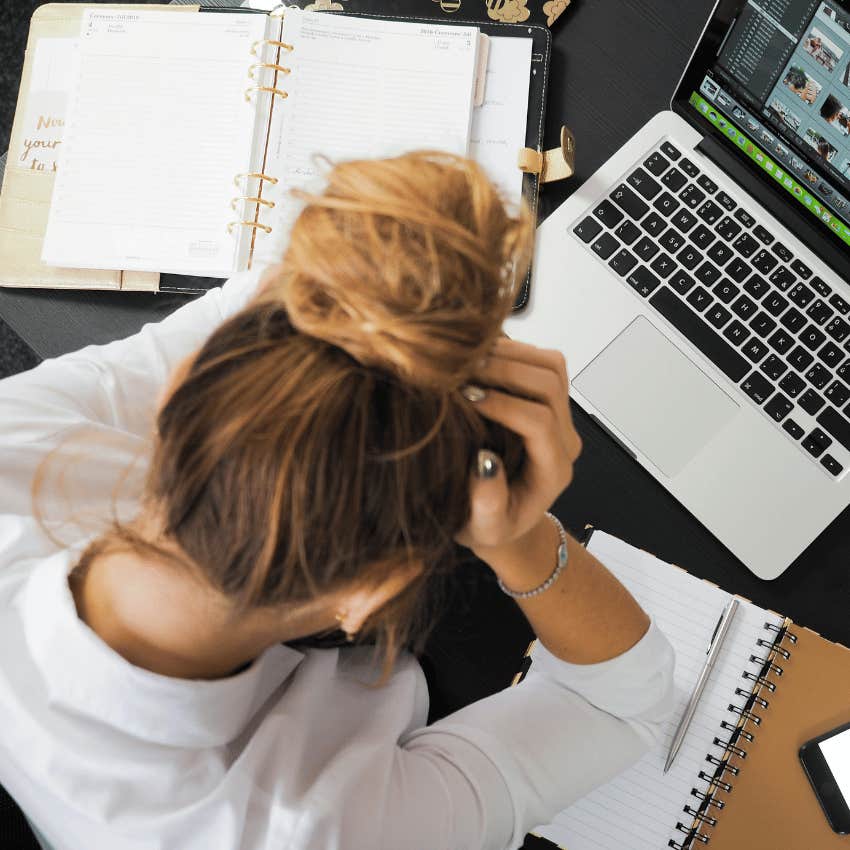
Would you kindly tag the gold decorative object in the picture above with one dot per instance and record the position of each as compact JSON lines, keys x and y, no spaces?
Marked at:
{"x":508,"y":11}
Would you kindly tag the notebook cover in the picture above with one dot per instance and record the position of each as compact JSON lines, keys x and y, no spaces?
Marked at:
{"x":26,"y":192}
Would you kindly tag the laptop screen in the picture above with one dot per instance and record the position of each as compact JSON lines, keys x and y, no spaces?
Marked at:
{"x":772,"y":78}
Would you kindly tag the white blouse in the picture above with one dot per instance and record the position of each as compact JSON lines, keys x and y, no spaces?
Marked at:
{"x":297,"y":751}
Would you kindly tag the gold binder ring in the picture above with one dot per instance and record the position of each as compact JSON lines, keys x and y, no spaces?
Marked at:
{"x":264,"y":201}
{"x":271,"y":89}
{"x":281,"y":44}
{"x":255,"y":224}
{"x":237,"y":180}
{"x":272,"y":65}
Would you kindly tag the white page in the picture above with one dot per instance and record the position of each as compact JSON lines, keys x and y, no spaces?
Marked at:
{"x":639,"y":808}
{"x":364,"y":88}
{"x":158,"y":127}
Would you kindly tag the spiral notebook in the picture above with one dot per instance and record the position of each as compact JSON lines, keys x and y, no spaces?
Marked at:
{"x":737,"y":782}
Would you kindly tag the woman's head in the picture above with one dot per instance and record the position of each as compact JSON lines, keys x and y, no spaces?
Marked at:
{"x":318,"y":440}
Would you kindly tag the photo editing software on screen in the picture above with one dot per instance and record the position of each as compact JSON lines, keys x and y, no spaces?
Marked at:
{"x":779,"y":89}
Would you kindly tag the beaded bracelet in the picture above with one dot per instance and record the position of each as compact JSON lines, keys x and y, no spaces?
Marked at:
{"x":559,"y":566}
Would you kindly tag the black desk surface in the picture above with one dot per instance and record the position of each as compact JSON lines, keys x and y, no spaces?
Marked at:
{"x":615,"y":65}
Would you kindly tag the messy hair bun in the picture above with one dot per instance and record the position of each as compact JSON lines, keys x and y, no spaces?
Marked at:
{"x":407,"y":264}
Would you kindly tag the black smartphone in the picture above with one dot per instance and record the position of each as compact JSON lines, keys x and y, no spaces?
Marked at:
{"x":826,"y":760}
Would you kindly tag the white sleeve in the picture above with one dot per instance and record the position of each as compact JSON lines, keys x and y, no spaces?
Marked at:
{"x":107,"y":394}
{"x":486,"y":775}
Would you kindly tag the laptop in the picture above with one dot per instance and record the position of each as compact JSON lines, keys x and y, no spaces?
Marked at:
{"x":697,"y":282}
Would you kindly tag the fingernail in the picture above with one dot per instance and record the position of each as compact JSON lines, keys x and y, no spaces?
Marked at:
{"x":488,"y":464}
{"x":473,"y":393}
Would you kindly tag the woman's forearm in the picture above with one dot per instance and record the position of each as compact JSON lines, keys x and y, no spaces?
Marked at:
{"x":586,"y":616}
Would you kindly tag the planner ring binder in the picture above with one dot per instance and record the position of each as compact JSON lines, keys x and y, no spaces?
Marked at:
{"x":272,"y":65}
{"x":734,"y":747}
{"x":255,"y":175}
{"x":255,"y":224}
{"x":251,"y":200}
{"x":271,"y":89}
{"x":281,"y":44}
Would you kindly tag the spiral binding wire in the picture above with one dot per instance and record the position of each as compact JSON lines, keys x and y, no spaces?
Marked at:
{"x":722,"y":777}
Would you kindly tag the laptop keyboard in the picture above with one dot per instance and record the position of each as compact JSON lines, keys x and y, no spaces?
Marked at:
{"x":740,"y":296}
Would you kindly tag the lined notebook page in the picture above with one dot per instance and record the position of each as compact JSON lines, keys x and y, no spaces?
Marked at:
{"x":158,"y":127}
{"x":639,"y":808}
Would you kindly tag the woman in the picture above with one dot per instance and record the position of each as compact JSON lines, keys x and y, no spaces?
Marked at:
{"x":278,"y":464}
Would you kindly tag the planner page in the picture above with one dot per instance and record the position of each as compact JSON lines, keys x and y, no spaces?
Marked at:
{"x":639,"y":808}
{"x":158,"y":126}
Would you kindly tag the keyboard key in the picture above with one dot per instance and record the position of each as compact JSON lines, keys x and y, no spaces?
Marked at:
{"x":728,"y":228}
{"x":817,"y":442}
{"x":707,"y":183}
{"x":811,"y":402}
{"x":774,"y":367}
{"x":662,"y":265}
{"x":745,"y":244}
{"x":840,"y":304}
{"x":831,"y":465}
{"x":781,"y":341}
{"x":670,"y":150}
{"x":819,"y":311}
{"x":762,"y":234}
{"x":725,"y":201}
{"x":793,"y":319}
{"x":820,"y":287}
{"x":692,"y":196}
{"x":628,"y":231}
{"x":793,"y":428}
{"x":605,"y":245}
{"x":587,"y":229}
{"x":707,"y":273}
{"x":812,"y":338}
{"x":778,"y":407}
{"x":801,"y":295}
{"x":744,"y":217}
{"x":801,"y":269}
{"x":837,"y":393}
{"x":654,"y":224}
{"x":762,"y":324}
{"x":683,"y":221}
{"x":702,"y":237}
{"x":656,"y":163}
{"x":629,"y":202}
{"x":709,"y":212}
{"x":782,"y":252}
{"x":754,"y":349}
{"x":674,"y":179}
{"x":838,"y":329}
{"x":720,"y":253}
{"x":743,"y":307}
{"x":717,"y":316}
{"x":738,"y":270}
{"x":681,"y":282}
{"x":837,"y":425}
{"x":756,"y":286}
{"x":645,"y":185}
{"x":831,"y":354}
{"x":691,"y":326}
{"x":782,"y":278}
{"x":671,"y":241}
{"x":689,"y":168}
{"x":757,"y":387}
{"x":699,"y":299}
{"x":725,"y":290}
{"x":793,"y":385}
{"x":623,"y":262}
{"x":764,"y":262}
{"x":643,"y":281}
{"x":646,"y":249}
{"x":843,"y":372}
{"x":689,"y":257}
{"x":736,"y":332}
{"x":666,"y":204}
{"x":608,"y":214}
{"x":800,"y":359}
{"x":774,"y":303}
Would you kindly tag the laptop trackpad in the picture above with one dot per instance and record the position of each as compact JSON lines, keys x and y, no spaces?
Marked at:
{"x":651,"y":393}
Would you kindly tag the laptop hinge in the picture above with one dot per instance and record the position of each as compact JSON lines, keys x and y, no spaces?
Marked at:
{"x":807,"y":231}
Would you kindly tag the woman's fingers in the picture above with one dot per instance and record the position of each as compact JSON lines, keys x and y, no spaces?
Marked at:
{"x":522,"y":352}
{"x":489,"y":499}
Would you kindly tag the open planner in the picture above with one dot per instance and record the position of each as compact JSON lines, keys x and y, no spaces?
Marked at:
{"x":737,"y":782}
{"x":179,"y":136}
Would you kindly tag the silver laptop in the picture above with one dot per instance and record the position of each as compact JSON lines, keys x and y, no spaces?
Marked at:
{"x":697,"y":282}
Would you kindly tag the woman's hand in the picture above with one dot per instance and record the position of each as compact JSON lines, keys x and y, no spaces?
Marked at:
{"x":527,"y":391}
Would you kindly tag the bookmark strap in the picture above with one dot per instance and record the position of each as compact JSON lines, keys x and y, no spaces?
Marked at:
{"x":553,"y":164}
